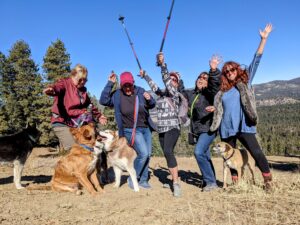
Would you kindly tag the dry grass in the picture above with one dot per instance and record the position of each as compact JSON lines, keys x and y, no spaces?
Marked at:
{"x":241,"y":204}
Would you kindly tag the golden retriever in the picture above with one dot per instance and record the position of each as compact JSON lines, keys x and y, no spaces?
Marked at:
{"x":78,"y":168}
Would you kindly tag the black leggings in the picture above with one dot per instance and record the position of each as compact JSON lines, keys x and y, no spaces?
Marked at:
{"x":250,"y":143}
{"x":167,"y":142}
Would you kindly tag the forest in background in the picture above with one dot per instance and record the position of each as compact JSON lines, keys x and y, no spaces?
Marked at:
{"x":22,"y":102}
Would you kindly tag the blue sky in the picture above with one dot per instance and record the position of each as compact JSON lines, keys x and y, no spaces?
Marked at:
{"x":94,"y":37}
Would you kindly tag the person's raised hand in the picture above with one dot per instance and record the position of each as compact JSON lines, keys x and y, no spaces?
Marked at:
{"x":142,"y":73}
{"x":265,"y":33}
{"x":49,"y":91}
{"x":102,"y":120}
{"x":147,"y":96}
{"x":112,"y":77}
{"x":215,"y":61}
{"x":160,"y":59}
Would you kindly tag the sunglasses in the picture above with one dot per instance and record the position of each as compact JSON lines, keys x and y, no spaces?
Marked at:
{"x":174,"y":79}
{"x":82,"y":80}
{"x":203,"y":77}
{"x":229,"y":71}
{"x":127,"y":85}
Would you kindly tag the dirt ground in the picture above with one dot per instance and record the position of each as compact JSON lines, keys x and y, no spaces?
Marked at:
{"x":241,"y":204}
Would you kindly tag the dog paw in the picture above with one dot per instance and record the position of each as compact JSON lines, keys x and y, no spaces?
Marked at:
{"x":20,"y":187}
{"x":101,"y":192}
{"x":78,"y":192}
{"x":136,"y":190}
{"x":116,"y":186}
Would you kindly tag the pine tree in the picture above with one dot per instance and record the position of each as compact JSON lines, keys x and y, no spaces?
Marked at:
{"x":24,"y":85}
{"x":11,"y":110}
{"x":56,"y":66}
{"x":2,"y":65}
{"x":3,"y":114}
{"x":56,"y":62}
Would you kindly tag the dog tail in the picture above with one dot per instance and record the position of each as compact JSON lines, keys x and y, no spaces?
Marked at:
{"x":39,"y":187}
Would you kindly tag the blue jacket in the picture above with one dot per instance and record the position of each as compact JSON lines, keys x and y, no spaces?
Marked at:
{"x":113,"y":100}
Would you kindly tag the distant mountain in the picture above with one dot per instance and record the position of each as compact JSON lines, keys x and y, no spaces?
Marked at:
{"x":275,"y":92}
{"x":278,"y":92}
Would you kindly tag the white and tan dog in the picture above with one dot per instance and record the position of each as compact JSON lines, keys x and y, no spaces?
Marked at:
{"x":120,"y":155}
{"x":236,"y":159}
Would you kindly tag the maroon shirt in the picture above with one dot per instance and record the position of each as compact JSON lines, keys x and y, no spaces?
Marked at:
{"x":70,"y":102}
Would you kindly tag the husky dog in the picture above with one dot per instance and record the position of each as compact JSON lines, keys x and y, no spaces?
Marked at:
{"x":16,"y":148}
{"x":120,"y":155}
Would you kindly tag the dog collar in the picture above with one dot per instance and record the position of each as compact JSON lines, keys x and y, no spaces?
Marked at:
{"x":87,"y":147}
{"x":229,"y":156}
{"x":31,"y":138}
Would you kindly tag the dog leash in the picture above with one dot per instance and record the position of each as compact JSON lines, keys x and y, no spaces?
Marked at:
{"x":135,"y":118}
{"x":87,"y":147}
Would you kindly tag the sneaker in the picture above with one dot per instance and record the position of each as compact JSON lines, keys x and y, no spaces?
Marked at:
{"x":177,"y":190}
{"x":210,"y":187}
{"x":144,"y":184}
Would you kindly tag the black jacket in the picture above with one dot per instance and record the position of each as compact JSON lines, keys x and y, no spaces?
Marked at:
{"x":200,"y":118}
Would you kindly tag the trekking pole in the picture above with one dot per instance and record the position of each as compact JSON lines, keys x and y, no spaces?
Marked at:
{"x":121,"y":18}
{"x":166,"y":29}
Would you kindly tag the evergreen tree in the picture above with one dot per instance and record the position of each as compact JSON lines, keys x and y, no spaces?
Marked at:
{"x":56,"y":66}
{"x":110,"y":115}
{"x":56,"y":62}
{"x":3,"y":114}
{"x":25,"y":87}
{"x":2,"y":65}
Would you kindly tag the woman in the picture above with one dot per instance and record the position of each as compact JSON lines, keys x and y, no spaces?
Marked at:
{"x":239,"y":117}
{"x":168,"y":126}
{"x":206,"y":86}
{"x":134,"y":126}
{"x":71,"y":103}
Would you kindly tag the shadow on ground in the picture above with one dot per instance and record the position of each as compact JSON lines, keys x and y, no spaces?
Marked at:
{"x":40,"y":179}
{"x":285,"y":166}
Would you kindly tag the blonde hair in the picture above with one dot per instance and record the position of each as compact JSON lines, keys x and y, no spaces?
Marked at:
{"x":82,"y":74}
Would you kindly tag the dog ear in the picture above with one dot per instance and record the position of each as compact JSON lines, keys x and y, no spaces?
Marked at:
{"x":73,"y":130}
{"x":116,"y":133}
{"x":87,"y":134}
{"x":91,"y":124}
{"x":227,"y":147}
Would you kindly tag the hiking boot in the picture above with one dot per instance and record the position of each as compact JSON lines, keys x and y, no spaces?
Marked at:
{"x":144,"y":184}
{"x":210,"y":187}
{"x":176,"y":190}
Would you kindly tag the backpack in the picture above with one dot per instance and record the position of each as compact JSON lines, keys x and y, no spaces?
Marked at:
{"x":183,"y":109}
{"x":183,"y":118}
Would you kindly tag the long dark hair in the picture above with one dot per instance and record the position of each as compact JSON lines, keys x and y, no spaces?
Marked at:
{"x":201,"y":74}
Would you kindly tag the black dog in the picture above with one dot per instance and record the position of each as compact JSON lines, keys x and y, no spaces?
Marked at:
{"x":16,"y":148}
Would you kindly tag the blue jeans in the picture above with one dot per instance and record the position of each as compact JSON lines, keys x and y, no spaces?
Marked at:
{"x":143,"y":147}
{"x":202,"y":155}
